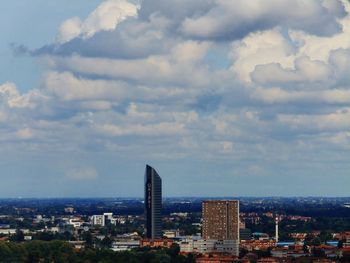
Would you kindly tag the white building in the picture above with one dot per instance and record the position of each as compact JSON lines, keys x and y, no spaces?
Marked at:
{"x":27,"y":238}
{"x":75,"y":222}
{"x":195,"y":245}
{"x":171,"y":233}
{"x":53,"y":229}
{"x":108,"y":216}
{"x":13,"y":231}
{"x":98,"y":220}
{"x":125,"y":245}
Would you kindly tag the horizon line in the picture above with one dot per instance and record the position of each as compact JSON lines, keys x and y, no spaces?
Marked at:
{"x":168,"y":197}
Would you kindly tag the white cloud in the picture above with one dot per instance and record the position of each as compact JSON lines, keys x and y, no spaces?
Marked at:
{"x":69,"y":30}
{"x":11,"y":97}
{"x":319,"y":48}
{"x":106,"y":17}
{"x":185,"y":92}
{"x":261,"y":48}
{"x":67,"y":87}
{"x":180,"y":66}
{"x":305,"y":71}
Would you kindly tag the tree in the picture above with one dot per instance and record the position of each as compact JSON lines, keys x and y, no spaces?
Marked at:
{"x":106,"y":242}
{"x":87,"y":236}
{"x":242,"y":252}
{"x":18,"y":237}
{"x":174,"y":250}
{"x":316,"y":241}
{"x":325,"y":236}
{"x":341,"y":243}
{"x":306,"y":248}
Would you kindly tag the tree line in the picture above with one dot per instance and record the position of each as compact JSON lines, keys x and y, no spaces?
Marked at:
{"x":63,"y":252}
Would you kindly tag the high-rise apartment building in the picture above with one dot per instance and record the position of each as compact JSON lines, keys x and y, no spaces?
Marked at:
{"x":221,"y":222}
{"x":153,"y":203}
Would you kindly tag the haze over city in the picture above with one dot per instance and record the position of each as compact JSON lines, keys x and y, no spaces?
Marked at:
{"x":224,"y":98}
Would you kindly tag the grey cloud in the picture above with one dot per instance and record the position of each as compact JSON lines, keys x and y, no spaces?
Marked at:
{"x":153,"y":32}
{"x":235,"y":19}
{"x":306,"y":71}
{"x":176,"y":10}
{"x":160,"y":24}
{"x":132,"y":39}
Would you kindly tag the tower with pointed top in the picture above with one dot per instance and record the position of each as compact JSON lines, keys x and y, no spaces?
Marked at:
{"x":153,"y":203}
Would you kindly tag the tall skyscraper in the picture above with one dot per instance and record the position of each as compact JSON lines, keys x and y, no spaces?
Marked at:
{"x":221,"y":222}
{"x":153,"y":203}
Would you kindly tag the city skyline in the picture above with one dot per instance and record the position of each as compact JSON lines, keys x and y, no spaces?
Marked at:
{"x":224,"y":98}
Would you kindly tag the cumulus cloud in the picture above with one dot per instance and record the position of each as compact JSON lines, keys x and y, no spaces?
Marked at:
{"x":11,"y":97}
{"x":235,"y":19}
{"x":66,"y":86}
{"x":132,"y":38}
{"x":261,"y":48}
{"x":131,"y":77}
{"x":69,"y":30}
{"x":121,"y":29}
{"x":181,"y":65}
{"x":305,"y":71}
{"x":106,"y":17}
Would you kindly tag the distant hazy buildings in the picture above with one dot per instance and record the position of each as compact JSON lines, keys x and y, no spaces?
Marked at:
{"x":221,"y":225}
{"x":153,"y":203}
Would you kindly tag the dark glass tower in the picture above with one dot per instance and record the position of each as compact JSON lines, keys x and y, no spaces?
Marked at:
{"x":153,"y":203}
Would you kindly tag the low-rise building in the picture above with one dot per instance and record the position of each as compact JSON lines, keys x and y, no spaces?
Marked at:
{"x":289,"y":252}
{"x":171,"y":233}
{"x":75,"y":222}
{"x":252,"y":245}
{"x":125,"y":245}
{"x":201,"y":246}
{"x":28,"y":238}
{"x":13,"y":231}
{"x":156,"y":243}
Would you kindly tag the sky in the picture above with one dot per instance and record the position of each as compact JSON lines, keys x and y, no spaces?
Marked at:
{"x":221,"y":97}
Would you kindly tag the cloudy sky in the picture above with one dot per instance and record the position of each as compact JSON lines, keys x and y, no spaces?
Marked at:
{"x":222,"y":97}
